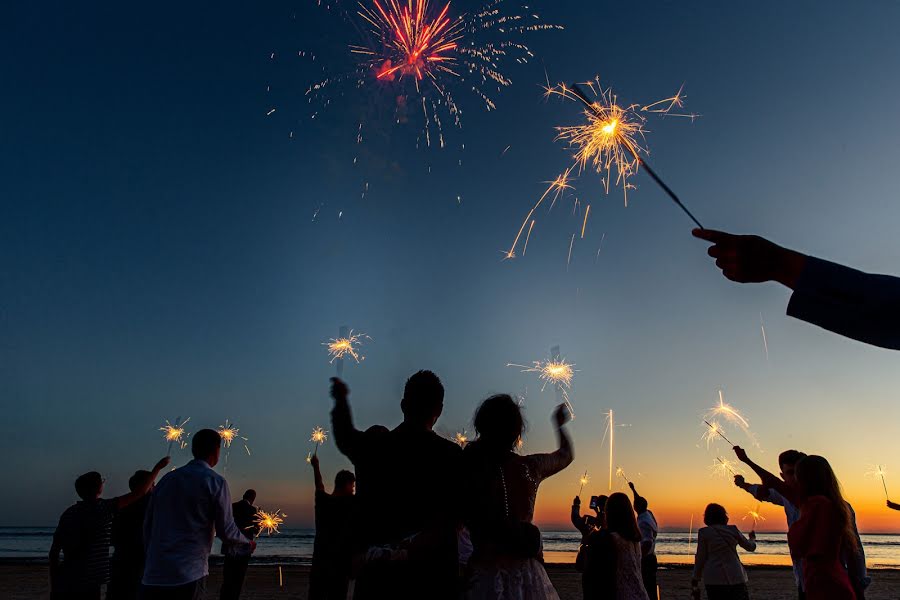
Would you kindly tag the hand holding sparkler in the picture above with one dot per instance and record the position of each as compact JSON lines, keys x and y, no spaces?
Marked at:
{"x":752,"y":259}
{"x":741,"y":455}
{"x":561,"y":415}
{"x":339,"y":390}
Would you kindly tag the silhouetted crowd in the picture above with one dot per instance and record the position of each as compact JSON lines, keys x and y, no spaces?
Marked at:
{"x":423,"y":517}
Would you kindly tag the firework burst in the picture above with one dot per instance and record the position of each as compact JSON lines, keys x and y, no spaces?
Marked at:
{"x":268,"y":522}
{"x":612,"y":143}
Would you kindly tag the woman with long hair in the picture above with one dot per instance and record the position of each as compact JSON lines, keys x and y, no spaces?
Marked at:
{"x":612,"y":568}
{"x":717,"y":562}
{"x":825,"y":528}
{"x":501,"y":488}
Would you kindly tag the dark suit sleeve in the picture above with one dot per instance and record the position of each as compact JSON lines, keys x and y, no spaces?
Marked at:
{"x":857,"y":305}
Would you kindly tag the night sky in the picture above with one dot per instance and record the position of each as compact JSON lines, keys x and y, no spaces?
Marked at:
{"x":168,"y":248}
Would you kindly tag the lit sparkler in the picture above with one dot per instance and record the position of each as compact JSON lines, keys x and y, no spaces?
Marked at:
{"x":713,"y":431}
{"x":611,"y":143}
{"x":620,"y":472}
{"x":319,"y":436}
{"x":725,"y":468}
{"x":461,"y":438}
{"x":557,"y":373}
{"x":583,"y":480}
{"x":228,"y":432}
{"x":344,"y":346}
{"x":878,"y":471}
{"x":174,"y":433}
{"x":755,"y":515}
{"x":268,"y":522}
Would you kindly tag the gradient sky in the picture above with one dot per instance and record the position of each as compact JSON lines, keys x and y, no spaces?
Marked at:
{"x":159,"y":255}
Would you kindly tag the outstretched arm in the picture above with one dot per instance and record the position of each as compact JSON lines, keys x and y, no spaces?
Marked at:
{"x":123,"y":501}
{"x":773,"y":482}
{"x":317,"y":474}
{"x":346,"y":437}
{"x":634,"y":492}
{"x":893,"y":505}
{"x":545,"y":465}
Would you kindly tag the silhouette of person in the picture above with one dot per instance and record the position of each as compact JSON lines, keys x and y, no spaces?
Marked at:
{"x":407,"y":480}
{"x":84,"y":534}
{"x":189,"y":507}
{"x":501,"y":486}
{"x":649,"y":531}
{"x":237,"y":557}
{"x":893,"y":505}
{"x":127,"y":563}
{"x":848,"y":302}
{"x":716,"y":561}
{"x":612,"y":568}
{"x":329,"y":577}
{"x":854,"y":559}
{"x":586,"y":524}
{"x":823,"y":532}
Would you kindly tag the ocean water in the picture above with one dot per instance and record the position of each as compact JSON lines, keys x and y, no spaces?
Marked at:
{"x":296,"y":545}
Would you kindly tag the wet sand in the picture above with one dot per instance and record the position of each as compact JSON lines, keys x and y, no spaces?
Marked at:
{"x":29,"y":582}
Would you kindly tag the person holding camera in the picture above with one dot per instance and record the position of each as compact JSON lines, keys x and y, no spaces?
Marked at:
{"x":587,"y":524}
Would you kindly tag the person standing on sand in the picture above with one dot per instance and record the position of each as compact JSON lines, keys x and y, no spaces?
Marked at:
{"x":408,"y":493}
{"x":83,"y":537}
{"x":329,"y":577}
{"x":127,"y":563}
{"x":237,"y":557}
{"x":501,"y":489}
{"x":612,"y":568}
{"x":189,"y":507}
{"x":649,"y":531}
{"x":716,"y":562}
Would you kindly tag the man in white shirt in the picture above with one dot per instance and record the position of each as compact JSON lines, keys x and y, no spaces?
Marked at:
{"x":649,"y":530}
{"x":189,"y":507}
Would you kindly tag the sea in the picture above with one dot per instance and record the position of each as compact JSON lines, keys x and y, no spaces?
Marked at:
{"x":31,"y":544}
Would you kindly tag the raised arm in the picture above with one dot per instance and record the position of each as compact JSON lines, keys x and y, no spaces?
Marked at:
{"x":123,"y":501}
{"x":634,"y":492}
{"x":317,"y":474}
{"x":773,"y":482}
{"x":577,"y":519}
{"x":759,"y":491}
{"x":346,"y":437}
{"x":893,"y":505}
{"x":545,"y":465}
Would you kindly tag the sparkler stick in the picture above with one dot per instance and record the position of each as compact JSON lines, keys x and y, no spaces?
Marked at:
{"x":590,"y":105}
{"x":620,"y":472}
{"x":714,"y":429}
{"x":583,"y":480}
{"x":878,"y":471}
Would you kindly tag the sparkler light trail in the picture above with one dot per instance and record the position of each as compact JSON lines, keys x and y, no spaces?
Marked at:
{"x":174,"y":433}
{"x":341,"y":347}
{"x":268,"y":522}
{"x":714,"y":430}
{"x":610,"y":143}
{"x":583,"y":480}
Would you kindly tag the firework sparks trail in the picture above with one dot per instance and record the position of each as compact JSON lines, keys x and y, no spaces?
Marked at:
{"x":174,"y":433}
{"x":268,"y":522}
{"x":879,"y":472}
{"x":713,"y":431}
{"x":343,"y":346}
{"x":583,"y":480}
{"x":611,"y":143}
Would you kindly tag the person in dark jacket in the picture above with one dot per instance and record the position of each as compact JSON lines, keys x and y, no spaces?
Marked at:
{"x":237,"y":558}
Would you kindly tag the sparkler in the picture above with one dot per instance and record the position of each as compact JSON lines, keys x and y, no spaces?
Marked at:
{"x":345,"y":345}
{"x":878,"y":471}
{"x":725,"y":468}
{"x":583,"y":480}
{"x":461,"y":438}
{"x":714,"y":430}
{"x":268,"y":522}
{"x":755,"y":515}
{"x":228,"y":432}
{"x":610,"y":143}
{"x":620,"y":472}
{"x":731,"y":415}
{"x":319,"y":436}
{"x":556,"y":372}
{"x":174,"y":433}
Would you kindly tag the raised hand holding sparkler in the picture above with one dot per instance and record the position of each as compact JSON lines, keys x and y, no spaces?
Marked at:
{"x":319,"y":436}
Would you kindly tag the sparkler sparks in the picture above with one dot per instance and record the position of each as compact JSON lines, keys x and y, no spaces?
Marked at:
{"x":228,"y":432}
{"x":174,"y":433}
{"x":583,"y":480}
{"x":461,"y":438}
{"x":731,"y":415}
{"x":268,"y":522}
{"x":611,"y":143}
{"x":725,"y":468}
{"x":620,"y":472}
{"x":714,"y":430}
{"x":341,"y":347}
{"x":555,"y":372}
{"x":755,"y":515}
{"x":879,"y":472}
{"x":319,"y":436}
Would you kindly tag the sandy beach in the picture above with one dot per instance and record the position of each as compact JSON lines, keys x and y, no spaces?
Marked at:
{"x":29,"y":582}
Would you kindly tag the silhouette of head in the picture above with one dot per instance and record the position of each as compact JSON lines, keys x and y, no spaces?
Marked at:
{"x":139,"y":480}
{"x":788,"y":460}
{"x":89,"y":486}
{"x":499,"y":422}
{"x":640,"y":505}
{"x":344,"y":483}
{"x":816,"y":478}
{"x":423,"y":399}
{"x":600,"y":506}
{"x":250,"y":496}
{"x":206,"y":446}
{"x":620,"y":517}
{"x":715,"y":514}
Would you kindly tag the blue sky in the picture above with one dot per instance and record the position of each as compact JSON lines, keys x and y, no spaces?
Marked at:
{"x":159,"y":255}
